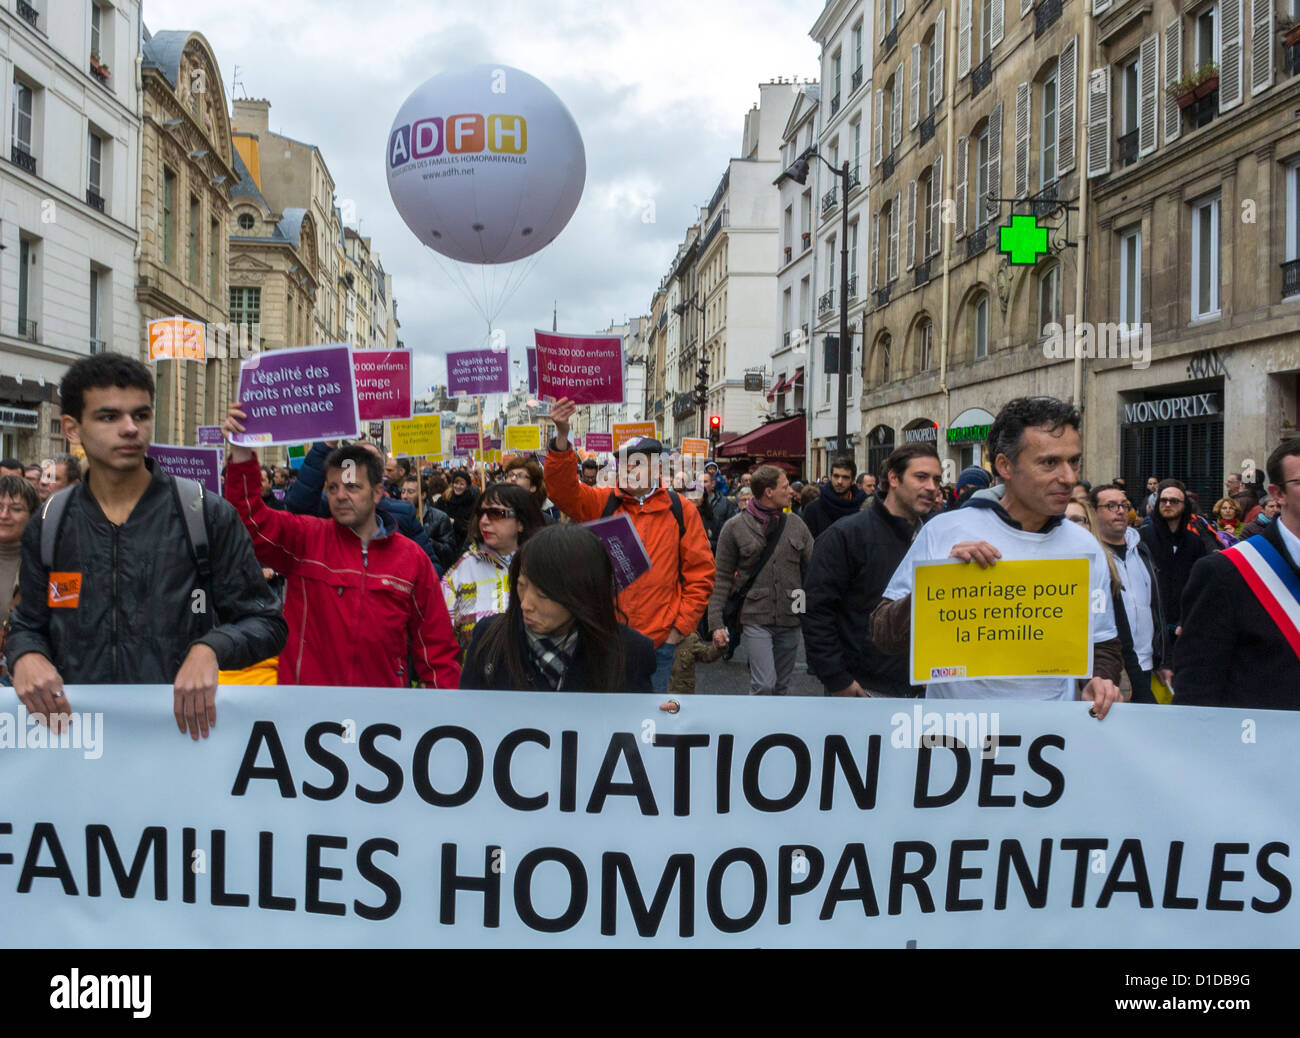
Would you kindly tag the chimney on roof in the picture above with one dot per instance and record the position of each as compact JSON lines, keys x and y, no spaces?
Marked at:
{"x":251,"y":115}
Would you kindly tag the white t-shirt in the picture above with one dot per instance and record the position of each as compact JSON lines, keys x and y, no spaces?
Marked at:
{"x":1137,"y":596}
{"x":1066,"y":540}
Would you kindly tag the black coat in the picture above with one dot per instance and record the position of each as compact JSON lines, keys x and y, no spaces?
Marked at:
{"x":851,"y":566}
{"x":1174,"y":554}
{"x":723,"y":508}
{"x":442,"y":535}
{"x":135,"y":622}
{"x":638,"y":651}
{"x":831,"y":508}
{"x":1231,"y":653}
{"x":461,"y":510}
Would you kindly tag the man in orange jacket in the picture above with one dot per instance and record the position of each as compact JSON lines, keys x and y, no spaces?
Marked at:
{"x":667,"y":601}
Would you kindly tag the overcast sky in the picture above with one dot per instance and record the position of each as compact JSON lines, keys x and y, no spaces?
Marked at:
{"x":659,"y":92}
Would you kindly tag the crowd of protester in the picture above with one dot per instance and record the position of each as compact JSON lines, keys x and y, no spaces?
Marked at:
{"x":356,"y":568}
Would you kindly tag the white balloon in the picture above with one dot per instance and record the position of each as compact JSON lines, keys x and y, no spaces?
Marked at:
{"x":485,"y":164}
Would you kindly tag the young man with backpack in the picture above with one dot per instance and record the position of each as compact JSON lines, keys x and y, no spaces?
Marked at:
{"x":666,"y":602}
{"x":131,"y":576}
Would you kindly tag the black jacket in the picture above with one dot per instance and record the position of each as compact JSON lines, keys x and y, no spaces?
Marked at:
{"x":136,"y":619}
{"x":830,"y":508}
{"x":851,"y":566}
{"x":1174,"y":554}
{"x":442,"y":535}
{"x":1231,"y":653}
{"x":723,"y":509}
{"x":461,"y":511}
{"x":638,"y":650}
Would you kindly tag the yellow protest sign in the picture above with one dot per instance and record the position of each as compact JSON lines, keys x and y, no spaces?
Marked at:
{"x":695,"y":447}
{"x":416,"y":437}
{"x":628,"y":430}
{"x":1015,"y":619}
{"x":174,"y":338}
{"x":523,"y":438}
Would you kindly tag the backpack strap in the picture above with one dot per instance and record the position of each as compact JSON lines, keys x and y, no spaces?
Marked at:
{"x":51,"y":520}
{"x":611,"y":505}
{"x":675,"y":503}
{"x":188,"y":495}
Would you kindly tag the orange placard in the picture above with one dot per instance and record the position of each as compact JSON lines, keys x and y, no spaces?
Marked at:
{"x":174,"y":338}
{"x":696,"y":447}
{"x":65,"y":590}
{"x":623,"y":431}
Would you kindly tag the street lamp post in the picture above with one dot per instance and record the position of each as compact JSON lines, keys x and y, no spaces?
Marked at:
{"x":702,"y":385}
{"x":798,"y":172}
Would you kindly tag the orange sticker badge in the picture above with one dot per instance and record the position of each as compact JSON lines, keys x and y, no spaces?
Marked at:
{"x":65,"y":590}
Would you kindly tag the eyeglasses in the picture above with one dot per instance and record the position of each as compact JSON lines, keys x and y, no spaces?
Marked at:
{"x":1172,"y":500}
{"x":1113,"y":506}
{"x":1082,"y":520}
{"x":497,"y":514}
{"x":15,"y":508}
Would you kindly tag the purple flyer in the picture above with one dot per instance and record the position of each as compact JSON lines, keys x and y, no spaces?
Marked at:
{"x":467,"y":441}
{"x":211,"y":436}
{"x":201,"y":464}
{"x":599,"y":441}
{"x":298,"y":395}
{"x":624,"y":546}
{"x":588,"y":369}
{"x":478,"y":372}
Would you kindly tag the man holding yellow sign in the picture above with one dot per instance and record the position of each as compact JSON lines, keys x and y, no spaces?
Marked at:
{"x":1025,"y":627}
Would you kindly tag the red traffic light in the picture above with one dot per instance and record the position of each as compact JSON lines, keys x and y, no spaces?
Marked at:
{"x":715,"y":422}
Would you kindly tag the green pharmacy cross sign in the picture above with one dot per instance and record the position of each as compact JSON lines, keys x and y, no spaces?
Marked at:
{"x":1023,"y":241}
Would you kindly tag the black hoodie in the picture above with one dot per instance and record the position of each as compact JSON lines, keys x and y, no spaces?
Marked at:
{"x":831,"y":508}
{"x":1174,"y":555}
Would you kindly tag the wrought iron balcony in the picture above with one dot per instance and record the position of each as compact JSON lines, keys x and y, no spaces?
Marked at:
{"x":887,"y":166}
{"x":1291,"y":60}
{"x":826,"y":302}
{"x":853,"y":286}
{"x":789,"y":252}
{"x":1202,"y":112}
{"x":99,"y":72}
{"x":1045,"y":202}
{"x":27,"y":329}
{"x":29,"y":14}
{"x":882,"y":296}
{"x":805,"y":240}
{"x":921,"y":273}
{"x":804,"y":328}
{"x":891,"y":41}
{"x":23,"y":159}
{"x":98,"y":346}
{"x":977,"y":241}
{"x":1046,"y":15}
{"x":927,"y":128}
{"x":835,"y":104}
{"x":94,"y":201}
{"x":981,"y":75}
{"x":855,"y":80}
{"x":785,"y":339}
{"x":855,"y":177}
{"x":829,"y":200}
{"x":1127,"y":147}
{"x":1291,"y":279}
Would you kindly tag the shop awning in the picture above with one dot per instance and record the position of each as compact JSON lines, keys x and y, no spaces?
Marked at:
{"x":795,"y":379}
{"x":778,"y":388}
{"x":781,"y":439}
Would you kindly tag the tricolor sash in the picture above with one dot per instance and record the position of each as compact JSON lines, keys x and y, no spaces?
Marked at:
{"x":1274,"y":583}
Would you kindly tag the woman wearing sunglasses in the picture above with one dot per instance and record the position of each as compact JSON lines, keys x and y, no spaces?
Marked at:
{"x":478,"y":584}
{"x":561,"y":631}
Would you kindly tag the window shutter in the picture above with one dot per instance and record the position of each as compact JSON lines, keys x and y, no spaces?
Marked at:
{"x":963,"y":38}
{"x":878,"y":102}
{"x":940,"y":41}
{"x":1230,"y":55}
{"x":995,"y":22}
{"x":1100,"y":5}
{"x":1173,"y":73}
{"x":895,"y":214}
{"x":1022,"y":139}
{"x":1099,"y":122}
{"x":959,"y":194}
{"x":995,"y":162}
{"x":916,"y":86}
{"x":896,"y":124}
{"x":1261,"y":47}
{"x":1149,"y":57}
{"x":1067,"y":89}
{"x":936,"y":207}
{"x":875,"y":251}
{"x":911,"y":224}
{"x":1025,"y":7}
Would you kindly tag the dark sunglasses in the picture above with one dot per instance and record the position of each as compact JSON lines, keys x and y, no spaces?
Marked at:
{"x":498,"y":513}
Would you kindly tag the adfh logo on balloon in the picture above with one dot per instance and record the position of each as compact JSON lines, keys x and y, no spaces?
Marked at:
{"x":467,"y":134}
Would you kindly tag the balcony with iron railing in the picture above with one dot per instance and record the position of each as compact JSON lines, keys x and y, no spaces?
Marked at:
{"x":29,"y":14}
{"x":100,"y":72}
{"x":94,"y":200}
{"x":835,"y":105}
{"x":1046,"y":14}
{"x":887,"y":166}
{"x":1202,"y":112}
{"x":1291,"y":279}
{"x":805,"y":241}
{"x":98,"y":346}
{"x":927,"y":128}
{"x":826,"y":302}
{"x":830,"y":200}
{"x":853,"y":286}
{"x":981,"y":75}
{"x":1291,"y":60}
{"x":890,"y":42}
{"x":788,"y":253}
{"x":1126,"y":147}
{"x":785,"y":339}
{"x":977,"y":241}
{"x":921,"y":274}
{"x":22,"y":158}
{"x":1045,"y":202}
{"x":855,"y":177}
{"x":882,"y":296}
{"x":27,"y":329}
{"x":855,"y":80}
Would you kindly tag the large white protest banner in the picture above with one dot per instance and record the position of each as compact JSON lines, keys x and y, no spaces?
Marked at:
{"x":322,"y":817}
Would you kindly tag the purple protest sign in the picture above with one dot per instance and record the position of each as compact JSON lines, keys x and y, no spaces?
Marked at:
{"x":298,"y":395}
{"x":467,"y":441}
{"x":211,"y":436}
{"x":383,"y":384}
{"x":493,"y":444}
{"x":598,"y":441}
{"x":623,"y":544}
{"x":588,"y":369}
{"x":202,"y":464}
{"x":477,"y":372}
{"x":531,"y":361}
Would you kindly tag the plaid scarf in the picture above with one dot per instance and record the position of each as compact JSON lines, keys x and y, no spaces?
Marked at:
{"x":552,"y":656}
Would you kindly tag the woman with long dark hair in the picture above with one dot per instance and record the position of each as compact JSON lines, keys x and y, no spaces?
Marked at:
{"x":459,"y":503}
{"x":477,"y":585}
{"x":561,"y":630}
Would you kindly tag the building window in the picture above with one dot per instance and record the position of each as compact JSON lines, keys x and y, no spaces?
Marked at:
{"x":1130,"y":277}
{"x":925,"y":207}
{"x":245,"y":306}
{"x":1291,"y":274}
{"x":1205,"y":259}
{"x":22,"y":117}
{"x":835,"y":78}
{"x":1128,"y":96}
{"x":857,"y":47}
{"x":169,"y":217}
{"x":1047,"y":156}
{"x":1206,"y":39}
{"x":94,"y":176}
{"x":986,"y":27}
{"x":26,"y":257}
{"x":980,"y":327}
{"x":925,"y":346}
{"x":982,"y":177}
{"x":214,"y":259}
{"x":194,"y":240}
{"x":96,"y":339}
{"x":246,"y":221}
{"x":1049,"y":294}
{"x":96,"y":32}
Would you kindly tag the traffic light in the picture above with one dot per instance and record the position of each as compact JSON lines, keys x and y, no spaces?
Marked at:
{"x":715,"y":427}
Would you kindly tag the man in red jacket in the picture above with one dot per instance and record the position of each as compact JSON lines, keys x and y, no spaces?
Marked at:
{"x":360,"y":600}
